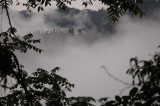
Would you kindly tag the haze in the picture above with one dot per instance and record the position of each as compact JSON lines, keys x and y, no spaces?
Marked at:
{"x":80,"y":55}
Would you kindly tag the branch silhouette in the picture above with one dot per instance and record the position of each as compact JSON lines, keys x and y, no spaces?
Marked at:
{"x":128,"y":85}
{"x":113,"y":77}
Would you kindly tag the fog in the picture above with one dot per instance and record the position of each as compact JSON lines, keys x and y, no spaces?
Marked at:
{"x":81,"y":55}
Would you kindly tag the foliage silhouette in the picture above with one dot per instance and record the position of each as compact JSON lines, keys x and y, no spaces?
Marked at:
{"x":146,"y":91}
{"x":43,"y":85}
{"x":116,"y":8}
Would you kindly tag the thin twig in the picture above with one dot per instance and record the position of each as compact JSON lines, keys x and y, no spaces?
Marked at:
{"x":20,"y":79}
{"x":1,"y":20}
{"x":24,"y":87}
{"x":115,"y":78}
{"x":121,"y":81}
{"x":122,"y":90}
{"x":9,"y":20}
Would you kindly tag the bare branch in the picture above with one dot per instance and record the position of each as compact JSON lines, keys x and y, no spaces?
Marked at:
{"x":115,"y":78}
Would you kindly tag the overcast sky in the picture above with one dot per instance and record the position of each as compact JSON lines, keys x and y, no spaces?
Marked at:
{"x":81,"y":61}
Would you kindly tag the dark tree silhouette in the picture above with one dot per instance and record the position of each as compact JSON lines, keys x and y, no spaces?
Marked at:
{"x":144,"y":92}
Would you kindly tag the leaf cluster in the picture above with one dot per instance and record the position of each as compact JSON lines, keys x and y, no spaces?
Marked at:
{"x":8,"y":45}
{"x":40,"y":4}
{"x":118,"y":8}
{"x":42,"y":85}
{"x":13,"y":43}
{"x":147,"y":92}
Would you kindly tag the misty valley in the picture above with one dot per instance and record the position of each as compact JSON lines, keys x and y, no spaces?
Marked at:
{"x":83,"y":46}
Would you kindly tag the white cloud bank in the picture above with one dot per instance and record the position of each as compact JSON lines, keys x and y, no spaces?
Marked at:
{"x":81,"y":63}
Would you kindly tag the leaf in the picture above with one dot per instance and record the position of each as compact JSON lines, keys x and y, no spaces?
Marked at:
{"x":133,"y":91}
{"x":136,"y":73}
{"x":42,"y":1}
{"x":118,"y":98}
{"x":46,"y":3}
{"x":39,"y":8}
{"x":138,"y":104}
{"x":110,"y":103}
{"x":85,"y":4}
